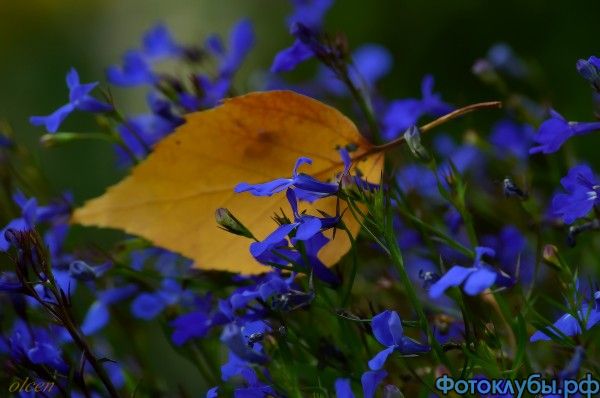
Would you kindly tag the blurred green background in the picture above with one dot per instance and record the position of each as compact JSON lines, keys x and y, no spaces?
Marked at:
{"x":41,"y":39}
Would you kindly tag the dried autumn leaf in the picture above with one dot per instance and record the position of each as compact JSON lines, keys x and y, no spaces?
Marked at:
{"x":170,"y":198}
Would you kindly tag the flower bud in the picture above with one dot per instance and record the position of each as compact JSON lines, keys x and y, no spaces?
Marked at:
{"x":412,"y":136}
{"x":81,"y":271}
{"x":230,"y":223}
{"x":550,"y":256}
{"x":589,"y":69}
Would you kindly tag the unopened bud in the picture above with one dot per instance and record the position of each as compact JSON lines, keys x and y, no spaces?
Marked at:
{"x":589,"y":69}
{"x":230,"y":223}
{"x":81,"y":271}
{"x":412,"y":136}
{"x":550,"y":256}
{"x":12,"y":237}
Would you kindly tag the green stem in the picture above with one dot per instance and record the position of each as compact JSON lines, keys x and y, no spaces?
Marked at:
{"x":398,"y":263}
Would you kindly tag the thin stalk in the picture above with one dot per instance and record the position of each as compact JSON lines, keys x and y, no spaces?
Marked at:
{"x":429,"y":126}
{"x":89,"y":355}
{"x":398,"y":263}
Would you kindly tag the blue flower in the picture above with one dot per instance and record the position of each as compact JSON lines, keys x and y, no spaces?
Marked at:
{"x":98,"y":314}
{"x":474,"y":280}
{"x":309,"y":14}
{"x":254,"y":387}
{"x":512,"y":252}
{"x":55,"y":213}
{"x":304,"y":226}
{"x":370,"y":63}
{"x":81,"y":271}
{"x":502,"y":57}
{"x":569,"y":325}
{"x":343,"y":388}
{"x":301,"y":181}
{"x":401,"y":114}
{"x":79,"y":99}
{"x":195,"y":324}
{"x":370,"y":381}
{"x":287,"y":59}
{"x":241,"y":40}
{"x":554,"y":132}
{"x":230,"y":58}
{"x":590,"y":70}
{"x":212,"y":393}
{"x":582,"y":193}
{"x":387,"y":329}
{"x":235,"y":337}
{"x":511,"y":138}
{"x":148,"y":305}
{"x":157,"y":45}
{"x":135,"y":71}
{"x":32,"y":344}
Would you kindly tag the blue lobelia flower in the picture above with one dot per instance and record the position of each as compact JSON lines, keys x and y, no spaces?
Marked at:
{"x":39,"y":346}
{"x":590,"y":70}
{"x":370,"y":63}
{"x":512,"y":252}
{"x":387,"y":329}
{"x":135,"y":71}
{"x":157,"y":45}
{"x":254,"y":387}
{"x":212,"y":393}
{"x":370,"y":380}
{"x":55,"y":213}
{"x":582,"y":194}
{"x":474,"y":280}
{"x":554,"y":132}
{"x":309,"y":14}
{"x":98,"y":314}
{"x":502,"y":57}
{"x":148,"y":305}
{"x":304,"y":226}
{"x":301,"y":181}
{"x":82,"y":271}
{"x":194,"y":324}
{"x":401,"y":114}
{"x":230,"y":58}
{"x":79,"y":98}
{"x":569,"y":325}
{"x":307,"y":230}
{"x":236,"y":339}
{"x":343,"y":388}
{"x":511,"y":138}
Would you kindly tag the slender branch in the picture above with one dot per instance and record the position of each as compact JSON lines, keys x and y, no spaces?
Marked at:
{"x":431,"y":125}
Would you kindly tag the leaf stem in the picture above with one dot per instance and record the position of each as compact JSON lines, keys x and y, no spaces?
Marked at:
{"x":429,"y":126}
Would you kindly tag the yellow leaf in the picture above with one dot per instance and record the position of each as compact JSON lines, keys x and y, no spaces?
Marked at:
{"x":171,"y":197}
